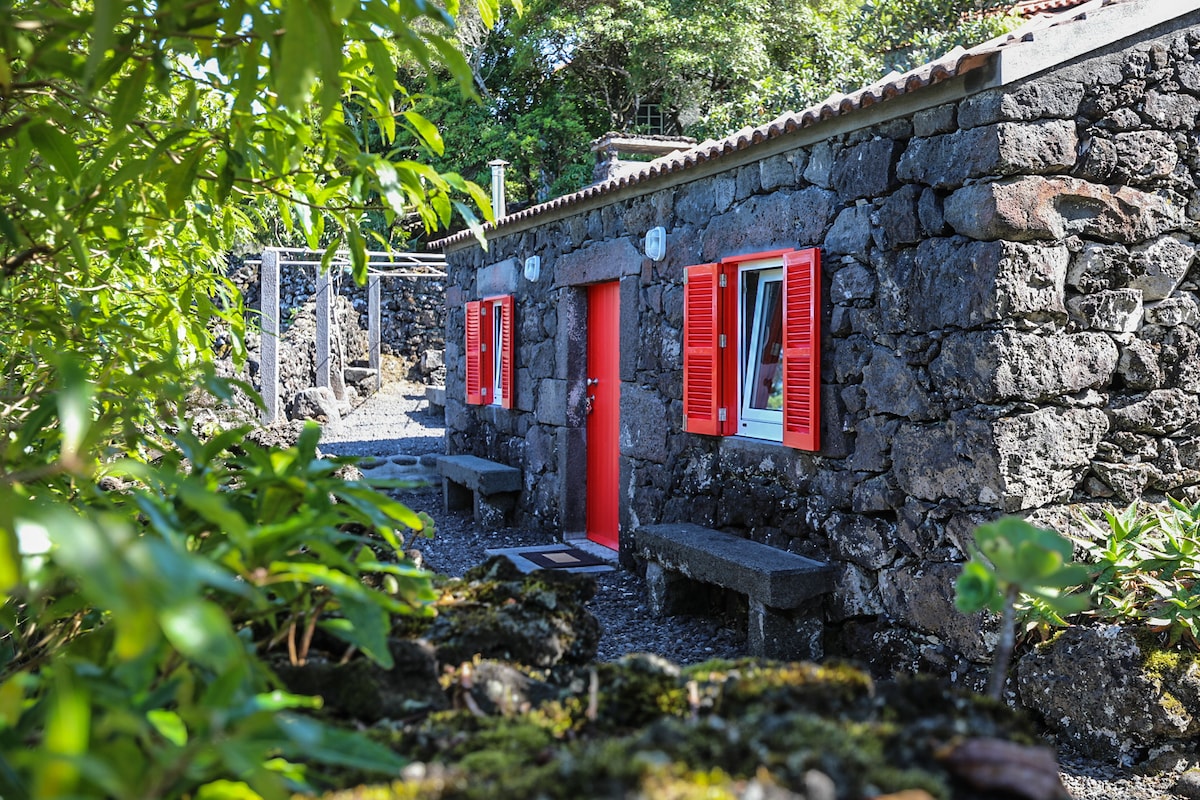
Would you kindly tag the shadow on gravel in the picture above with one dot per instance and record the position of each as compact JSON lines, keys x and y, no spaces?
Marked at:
{"x":408,"y":445}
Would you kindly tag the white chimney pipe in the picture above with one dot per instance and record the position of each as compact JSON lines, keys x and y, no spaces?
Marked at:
{"x":498,"y":166}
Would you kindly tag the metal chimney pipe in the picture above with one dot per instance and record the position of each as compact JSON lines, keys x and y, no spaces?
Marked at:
{"x":498,"y":166}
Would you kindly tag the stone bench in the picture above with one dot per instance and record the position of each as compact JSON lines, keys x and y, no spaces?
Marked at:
{"x":487,"y":488}
{"x":435,"y":396}
{"x":783,"y":588}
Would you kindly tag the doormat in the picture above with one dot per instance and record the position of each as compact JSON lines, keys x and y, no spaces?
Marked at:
{"x":562,"y":559}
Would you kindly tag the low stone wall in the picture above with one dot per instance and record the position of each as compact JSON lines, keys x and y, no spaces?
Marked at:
{"x":1011,"y":324}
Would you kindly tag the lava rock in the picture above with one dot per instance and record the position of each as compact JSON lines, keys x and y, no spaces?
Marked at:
{"x":1111,"y":693}
{"x":496,"y":611}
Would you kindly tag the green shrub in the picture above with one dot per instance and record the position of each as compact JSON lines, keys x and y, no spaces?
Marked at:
{"x":1145,"y":562}
{"x":140,"y":621}
{"x":1141,"y":566}
{"x":1018,"y":564}
{"x":148,"y":574}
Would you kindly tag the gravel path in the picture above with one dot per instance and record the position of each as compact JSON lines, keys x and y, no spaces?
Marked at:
{"x":395,"y":425}
{"x":395,"y":420}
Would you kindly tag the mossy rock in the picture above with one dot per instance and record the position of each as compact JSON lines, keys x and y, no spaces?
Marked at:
{"x":1113,"y":692}
{"x":645,"y":728}
{"x":363,"y":691}
{"x":495,"y":611}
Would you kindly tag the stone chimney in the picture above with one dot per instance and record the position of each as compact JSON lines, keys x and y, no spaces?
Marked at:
{"x":609,"y":147}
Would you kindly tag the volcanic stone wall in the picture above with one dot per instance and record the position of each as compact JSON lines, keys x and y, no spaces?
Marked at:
{"x":413,"y":312}
{"x":1010,"y":324}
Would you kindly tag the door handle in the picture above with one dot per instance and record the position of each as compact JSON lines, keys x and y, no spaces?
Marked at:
{"x":593,"y":381}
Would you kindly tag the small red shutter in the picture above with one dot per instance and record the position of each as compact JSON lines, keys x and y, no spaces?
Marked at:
{"x":506,"y":346}
{"x":701,"y":350}
{"x":727,"y":328}
{"x":474,"y":355}
{"x":802,"y":349}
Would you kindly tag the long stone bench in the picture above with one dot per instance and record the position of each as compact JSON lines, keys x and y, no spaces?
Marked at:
{"x":783,"y":589}
{"x":489,"y":489}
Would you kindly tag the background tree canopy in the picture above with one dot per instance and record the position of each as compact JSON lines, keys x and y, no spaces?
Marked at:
{"x":568,"y":71}
{"x":150,"y":569}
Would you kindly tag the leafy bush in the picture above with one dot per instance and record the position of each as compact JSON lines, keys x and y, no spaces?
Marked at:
{"x":1018,"y":564}
{"x":148,"y":575}
{"x":141,"y":617}
{"x":1145,"y":566}
{"x":1142,"y":566}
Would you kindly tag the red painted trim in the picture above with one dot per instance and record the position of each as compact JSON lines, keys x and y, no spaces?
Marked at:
{"x":474,"y":354}
{"x":702,"y":380}
{"x":728,"y":320}
{"x":742,"y":259}
{"x":802,"y":349}
{"x":603,"y":427}
{"x":507,"y":350}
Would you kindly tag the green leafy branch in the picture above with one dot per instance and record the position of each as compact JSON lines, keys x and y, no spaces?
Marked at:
{"x":1013,"y":561}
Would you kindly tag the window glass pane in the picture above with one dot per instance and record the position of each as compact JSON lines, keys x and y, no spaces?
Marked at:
{"x":750,"y":282}
{"x":650,"y":119}
{"x":765,"y":384}
{"x":497,"y":351}
{"x":760,"y":353}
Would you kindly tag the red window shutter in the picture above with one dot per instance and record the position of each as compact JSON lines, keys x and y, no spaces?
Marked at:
{"x":474,"y":353}
{"x":701,"y":349}
{"x":506,"y":346}
{"x":802,"y":349}
{"x":727,"y":327}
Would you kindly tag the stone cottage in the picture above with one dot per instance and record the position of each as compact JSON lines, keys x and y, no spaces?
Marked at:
{"x":859,"y":331}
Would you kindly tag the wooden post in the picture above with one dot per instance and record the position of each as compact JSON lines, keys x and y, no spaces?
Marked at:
{"x":268,"y":366}
{"x":324,"y":301}
{"x":374,"y":330}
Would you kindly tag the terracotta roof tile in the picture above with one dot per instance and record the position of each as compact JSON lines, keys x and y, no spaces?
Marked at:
{"x":1031,"y":7}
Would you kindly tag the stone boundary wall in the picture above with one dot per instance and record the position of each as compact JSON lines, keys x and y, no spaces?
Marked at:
{"x":413,"y":311}
{"x":1010,"y":324}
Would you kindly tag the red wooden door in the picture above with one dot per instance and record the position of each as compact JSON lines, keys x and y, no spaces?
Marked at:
{"x":603,"y":419}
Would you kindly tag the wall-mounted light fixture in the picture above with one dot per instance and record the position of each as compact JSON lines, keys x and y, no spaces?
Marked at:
{"x":656,"y":243}
{"x":533,"y":268}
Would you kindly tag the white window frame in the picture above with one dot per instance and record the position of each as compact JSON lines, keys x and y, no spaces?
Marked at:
{"x":752,"y":422}
{"x":497,"y":354}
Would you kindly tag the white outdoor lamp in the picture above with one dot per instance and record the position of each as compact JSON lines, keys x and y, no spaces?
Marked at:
{"x":656,"y":243}
{"x":533,"y":268}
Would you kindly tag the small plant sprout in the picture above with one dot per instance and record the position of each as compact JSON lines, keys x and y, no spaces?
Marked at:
{"x":1015,"y":561}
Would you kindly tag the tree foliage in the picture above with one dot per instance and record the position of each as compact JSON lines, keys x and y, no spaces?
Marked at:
{"x":567,"y":71}
{"x":150,"y":569}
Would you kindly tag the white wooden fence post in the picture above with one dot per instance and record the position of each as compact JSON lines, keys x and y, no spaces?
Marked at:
{"x":324,"y":301}
{"x":374,"y":330}
{"x":268,"y":362}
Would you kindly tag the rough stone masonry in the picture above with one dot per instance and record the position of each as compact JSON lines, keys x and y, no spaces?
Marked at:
{"x":1010,"y":318}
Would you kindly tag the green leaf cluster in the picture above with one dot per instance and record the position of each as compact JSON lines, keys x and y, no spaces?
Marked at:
{"x":1145,"y":568}
{"x":150,"y":132}
{"x":1017,"y":568}
{"x":565,"y":72}
{"x":1014,"y":558}
{"x":139,"y":622}
{"x":151,"y":568}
